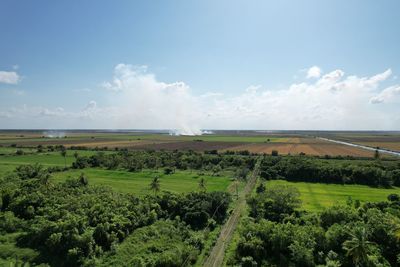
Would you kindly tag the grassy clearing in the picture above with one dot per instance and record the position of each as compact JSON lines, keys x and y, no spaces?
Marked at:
{"x":316,"y":196}
{"x":47,"y":158}
{"x":138,"y":182}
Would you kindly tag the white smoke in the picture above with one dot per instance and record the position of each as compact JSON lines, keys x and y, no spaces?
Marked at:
{"x":54,"y":134}
{"x":144,"y":102}
{"x":189,"y":131}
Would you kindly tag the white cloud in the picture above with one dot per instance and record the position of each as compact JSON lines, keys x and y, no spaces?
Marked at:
{"x":314,"y":72}
{"x":381,"y":76}
{"x":9,"y":77}
{"x":136,"y":99}
{"x":333,"y":101}
{"x":389,"y":95}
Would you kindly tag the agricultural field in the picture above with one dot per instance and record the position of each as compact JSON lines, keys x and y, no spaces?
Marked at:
{"x":103,"y":138}
{"x":385,"y":140}
{"x":317,"y":196}
{"x":9,"y":160}
{"x":308,"y":146}
{"x":123,"y":181}
{"x":138,"y":182}
{"x":253,"y":141}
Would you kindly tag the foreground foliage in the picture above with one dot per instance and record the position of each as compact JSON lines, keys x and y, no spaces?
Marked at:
{"x":74,"y":223}
{"x":277,"y":233}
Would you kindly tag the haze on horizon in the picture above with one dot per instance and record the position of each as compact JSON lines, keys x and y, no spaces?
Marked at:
{"x":191,"y":65}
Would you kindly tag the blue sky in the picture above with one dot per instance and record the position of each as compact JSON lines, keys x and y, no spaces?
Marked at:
{"x":64,"y":52}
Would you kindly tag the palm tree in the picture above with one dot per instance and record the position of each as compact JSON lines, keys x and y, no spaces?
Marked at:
{"x":358,"y":247}
{"x":64,"y":154}
{"x":202,"y":185}
{"x":155,"y":185}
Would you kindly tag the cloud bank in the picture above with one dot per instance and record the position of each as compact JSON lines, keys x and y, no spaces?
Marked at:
{"x":137,"y":99}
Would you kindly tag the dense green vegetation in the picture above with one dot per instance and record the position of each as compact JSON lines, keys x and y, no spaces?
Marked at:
{"x":74,"y":223}
{"x":306,"y":169}
{"x":138,"y":160}
{"x":276,"y":233}
{"x":163,"y":243}
{"x":53,"y":214}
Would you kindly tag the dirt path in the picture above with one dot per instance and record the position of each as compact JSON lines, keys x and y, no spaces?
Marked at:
{"x":216,"y":257}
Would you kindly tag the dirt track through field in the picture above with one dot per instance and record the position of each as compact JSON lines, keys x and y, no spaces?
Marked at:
{"x":216,"y":257}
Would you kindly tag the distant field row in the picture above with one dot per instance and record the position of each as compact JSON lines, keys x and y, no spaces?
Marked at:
{"x":254,"y":144}
{"x":316,"y":196}
{"x":317,"y":149}
{"x":152,"y":137}
{"x":386,"y":140}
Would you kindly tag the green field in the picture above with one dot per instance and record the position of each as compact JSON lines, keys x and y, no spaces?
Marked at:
{"x":316,"y":196}
{"x":124,"y":181}
{"x":49,"y":159}
{"x":138,"y":182}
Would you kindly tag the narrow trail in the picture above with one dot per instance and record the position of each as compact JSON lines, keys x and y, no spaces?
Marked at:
{"x":216,"y":257}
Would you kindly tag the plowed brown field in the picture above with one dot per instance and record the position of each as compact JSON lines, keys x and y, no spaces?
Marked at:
{"x":316,"y":148}
{"x":190,"y":145}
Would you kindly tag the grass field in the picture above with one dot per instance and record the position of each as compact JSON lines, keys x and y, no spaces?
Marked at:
{"x":49,"y":159}
{"x":316,"y":196}
{"x":138,"y":182}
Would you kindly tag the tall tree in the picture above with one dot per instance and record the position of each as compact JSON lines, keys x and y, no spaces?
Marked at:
{"x":155,"y":185}
{"x":358,"y":247}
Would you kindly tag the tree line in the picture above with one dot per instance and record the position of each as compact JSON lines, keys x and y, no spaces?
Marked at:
{"x":138,"y":160}
{"x":308,"y":169}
